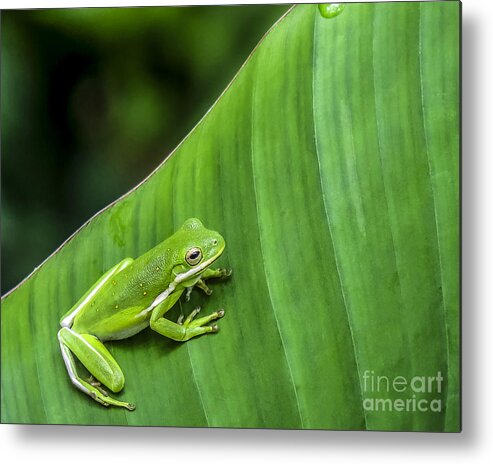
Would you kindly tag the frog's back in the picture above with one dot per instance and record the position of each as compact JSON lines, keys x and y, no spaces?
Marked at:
{"x":121,"y":305}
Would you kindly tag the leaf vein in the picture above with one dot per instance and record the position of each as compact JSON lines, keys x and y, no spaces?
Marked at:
{"x":433,"y":193}
{"x":264,"y":266}
{"x":329,"y":222}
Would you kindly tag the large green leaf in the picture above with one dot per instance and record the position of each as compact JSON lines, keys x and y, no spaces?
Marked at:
{"x":330,"y":165}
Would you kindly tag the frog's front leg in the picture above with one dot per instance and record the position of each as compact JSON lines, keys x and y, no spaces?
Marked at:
{"x":200,"y":284}
{"x":216,"y":273}
{"x":208,"y":274}
{"x":97,"y":360}
{"x":181,"y":332}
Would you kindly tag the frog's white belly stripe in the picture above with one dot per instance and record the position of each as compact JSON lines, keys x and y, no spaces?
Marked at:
{"x":159,"y":299}
{"x":162,"y":296}
{"x":178,"y":279}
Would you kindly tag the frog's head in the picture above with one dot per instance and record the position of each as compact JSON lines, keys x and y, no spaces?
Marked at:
{"x":198,"y":249}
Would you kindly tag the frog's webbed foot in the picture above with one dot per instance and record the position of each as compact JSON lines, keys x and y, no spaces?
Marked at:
{"x":183,"y":330}
{"x":219,"y":273}
{"x":202,"y":285}
{"x":95,"y":383}
{"x":190,"y":322}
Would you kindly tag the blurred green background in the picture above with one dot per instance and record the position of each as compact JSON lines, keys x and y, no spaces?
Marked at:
{"x":94,"y":99}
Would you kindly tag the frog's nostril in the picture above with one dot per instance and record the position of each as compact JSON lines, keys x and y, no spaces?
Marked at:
{"x":214,"y":242}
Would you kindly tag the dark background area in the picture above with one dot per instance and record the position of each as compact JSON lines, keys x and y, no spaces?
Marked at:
{"x":93,"y":99}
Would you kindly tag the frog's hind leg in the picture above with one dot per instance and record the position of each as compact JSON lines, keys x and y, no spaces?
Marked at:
{"x":97,"y":360}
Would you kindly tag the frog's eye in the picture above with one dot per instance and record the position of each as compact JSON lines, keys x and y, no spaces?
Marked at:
{"x":193,"y":256}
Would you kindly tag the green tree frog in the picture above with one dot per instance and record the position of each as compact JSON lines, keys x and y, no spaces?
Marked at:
{"x":135,"y":294}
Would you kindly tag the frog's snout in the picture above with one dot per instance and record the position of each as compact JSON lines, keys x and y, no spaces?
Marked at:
{"x":219,"y":243}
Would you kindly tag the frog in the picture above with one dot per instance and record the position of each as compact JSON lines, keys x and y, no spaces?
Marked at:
{"x":133,"y":295}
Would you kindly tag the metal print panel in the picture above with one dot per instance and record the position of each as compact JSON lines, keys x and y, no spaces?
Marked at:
{"x":312,"y":212}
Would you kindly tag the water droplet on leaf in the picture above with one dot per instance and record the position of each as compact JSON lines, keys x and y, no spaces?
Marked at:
{"x":330,"y":10}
